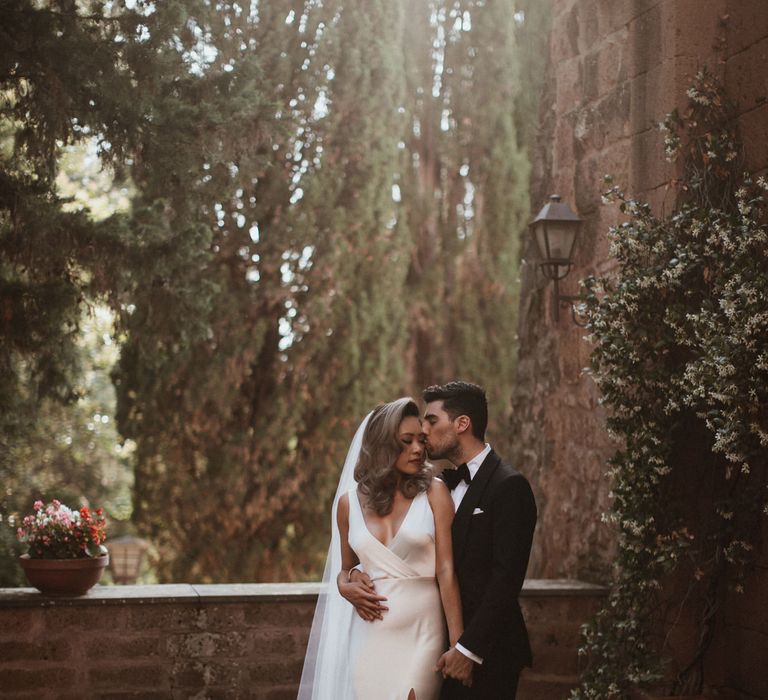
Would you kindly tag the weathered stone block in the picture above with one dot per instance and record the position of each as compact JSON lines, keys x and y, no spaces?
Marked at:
{"x":617,"y":14}
{"x":203,"y":673}
{"x":284,"y":616}
{"x":697,"y":29}
{"x":563,"y":155}
{"x":206,"y":644}
{"x":646,"y":41}
{"x":649,"y":169}
{"x":606,"y":121}
{"x":20,"y":623}
{"x":746,"y":86}
{"x":750,"y":608}
{"x":280,"y":643}
{"x":268,"y":673}
{"x":753,"y":127}
{"x":122,"y":648}
{"x":746,"y":660}
{"x":221,"y":617}
{"x":534,"y":686}
{"x":565,"y":35}
{"x":133,"y":695}
{"x":568,"y":86}
{"x":78,"y":616}
{"x":612,"y":63}
{"x":746,"y":24}
{"x":47,"y":650}
{"x":169,"y":617}
{"x":652,"y":95}
{"x":14,"y":679}
{"x":589,"y":26}
{"x":284,"y":693}
{"x":126,"y":676}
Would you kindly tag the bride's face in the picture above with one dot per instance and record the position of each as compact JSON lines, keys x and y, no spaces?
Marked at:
{"x":414,"y":450}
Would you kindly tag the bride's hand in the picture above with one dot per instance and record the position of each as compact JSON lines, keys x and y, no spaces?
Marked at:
{"x":360,"y":591}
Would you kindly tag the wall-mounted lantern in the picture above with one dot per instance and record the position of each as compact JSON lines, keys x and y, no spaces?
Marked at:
{"x":555,"y":229}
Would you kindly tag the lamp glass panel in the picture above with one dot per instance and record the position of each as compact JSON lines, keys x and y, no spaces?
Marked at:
{"x":540,"y":233}
{"x":561,"y":235}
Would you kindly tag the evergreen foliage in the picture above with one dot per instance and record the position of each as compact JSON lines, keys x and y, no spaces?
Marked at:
{"x":306,"y":309}
{"x":681,"y":358}
{"x":63,"y":79}
{"x":465,"y":194}
{"x":324,"y":214}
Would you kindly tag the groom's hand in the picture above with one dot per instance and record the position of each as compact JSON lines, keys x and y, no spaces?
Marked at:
{"x":453,"y":664}
{"x":360,"y":591}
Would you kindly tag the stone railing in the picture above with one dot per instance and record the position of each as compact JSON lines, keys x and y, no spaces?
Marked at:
{"x":222,"y":641}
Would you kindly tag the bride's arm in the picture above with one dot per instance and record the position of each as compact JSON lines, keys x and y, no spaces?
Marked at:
{"x":360,"y":593}
{"x":442,"y":508}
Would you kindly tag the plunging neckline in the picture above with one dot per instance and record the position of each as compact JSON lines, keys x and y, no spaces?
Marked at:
{"x":399,"y":527}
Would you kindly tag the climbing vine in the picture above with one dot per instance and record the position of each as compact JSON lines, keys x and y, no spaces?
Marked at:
{"x":680,"y":336}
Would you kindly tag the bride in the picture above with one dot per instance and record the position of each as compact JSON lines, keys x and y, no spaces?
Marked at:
{"x":392,"y":522}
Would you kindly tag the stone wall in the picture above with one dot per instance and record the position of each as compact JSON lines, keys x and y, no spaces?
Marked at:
{"x":614,"y":69}
{"x":734,"y":664}
{"x":221,"y":641}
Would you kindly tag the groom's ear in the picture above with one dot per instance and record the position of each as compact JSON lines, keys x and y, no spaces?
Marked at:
{"x":463,"y":423}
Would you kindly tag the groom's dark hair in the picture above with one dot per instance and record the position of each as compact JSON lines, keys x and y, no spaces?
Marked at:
{"x":462,"y":399}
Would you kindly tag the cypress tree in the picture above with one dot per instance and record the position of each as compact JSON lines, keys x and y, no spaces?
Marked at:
{"x":466,"y":197}
{"x":300,"y":335}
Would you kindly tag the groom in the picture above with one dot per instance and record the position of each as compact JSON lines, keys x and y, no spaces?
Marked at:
{"x":492,"y":532}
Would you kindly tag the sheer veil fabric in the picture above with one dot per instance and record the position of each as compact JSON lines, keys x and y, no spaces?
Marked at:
{"x":326,"y":674}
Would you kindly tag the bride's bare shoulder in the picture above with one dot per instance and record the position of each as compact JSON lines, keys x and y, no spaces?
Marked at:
{"x":437,"y":488}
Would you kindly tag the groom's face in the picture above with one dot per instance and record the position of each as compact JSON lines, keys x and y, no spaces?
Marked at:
{"x":442,"y":437}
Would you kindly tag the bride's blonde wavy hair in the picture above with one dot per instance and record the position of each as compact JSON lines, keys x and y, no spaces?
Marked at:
{"x":375,"y":471}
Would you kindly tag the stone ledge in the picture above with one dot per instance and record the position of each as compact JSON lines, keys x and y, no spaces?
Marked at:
{"x":183,"y":593}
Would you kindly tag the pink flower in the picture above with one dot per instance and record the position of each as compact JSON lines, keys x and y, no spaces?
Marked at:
{"x":38,"y":505}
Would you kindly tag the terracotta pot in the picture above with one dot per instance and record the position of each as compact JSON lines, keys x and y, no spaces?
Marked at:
{"x":63,"y":577}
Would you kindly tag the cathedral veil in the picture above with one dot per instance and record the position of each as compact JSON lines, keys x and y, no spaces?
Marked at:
{"x":326,"y":664}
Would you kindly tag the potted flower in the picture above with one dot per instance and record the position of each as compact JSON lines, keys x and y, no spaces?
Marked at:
{"x":66,"y":555}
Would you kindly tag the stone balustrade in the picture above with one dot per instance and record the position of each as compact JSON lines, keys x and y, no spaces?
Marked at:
{"x":222,"y":641}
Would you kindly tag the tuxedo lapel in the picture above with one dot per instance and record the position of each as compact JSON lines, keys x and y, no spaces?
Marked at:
{"x":470,"y":501}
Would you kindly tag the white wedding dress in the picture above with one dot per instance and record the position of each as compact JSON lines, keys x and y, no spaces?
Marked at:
{"x":393,"y":656}
{"x":350,"y":659}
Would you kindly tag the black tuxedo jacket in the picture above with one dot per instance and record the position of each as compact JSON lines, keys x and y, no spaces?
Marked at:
{"x":492,"y":534}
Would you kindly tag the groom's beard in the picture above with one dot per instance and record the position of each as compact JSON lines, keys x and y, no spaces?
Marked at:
{"x":449,"y":452}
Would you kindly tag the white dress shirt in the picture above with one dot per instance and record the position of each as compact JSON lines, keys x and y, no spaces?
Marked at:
{"x":473,"y":465}
{"x":457,"y":494}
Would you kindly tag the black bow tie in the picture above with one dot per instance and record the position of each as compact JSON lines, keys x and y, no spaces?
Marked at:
{"x":453,"y":477}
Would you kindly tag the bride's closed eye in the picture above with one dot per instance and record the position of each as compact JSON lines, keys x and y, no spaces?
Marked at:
{"x":408,"y":439}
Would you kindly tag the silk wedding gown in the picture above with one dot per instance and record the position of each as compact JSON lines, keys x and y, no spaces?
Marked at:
{"x":390,"y":657}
